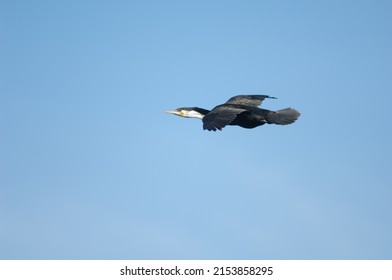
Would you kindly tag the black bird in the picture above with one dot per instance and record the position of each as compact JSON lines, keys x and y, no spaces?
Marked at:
{"x":241,"y":110}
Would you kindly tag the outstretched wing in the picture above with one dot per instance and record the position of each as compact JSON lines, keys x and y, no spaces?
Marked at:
{"x":248,"y":100}
{"x":219,"y":117}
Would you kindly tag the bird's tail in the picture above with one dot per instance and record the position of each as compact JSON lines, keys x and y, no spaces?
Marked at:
{"x":283,"y":117}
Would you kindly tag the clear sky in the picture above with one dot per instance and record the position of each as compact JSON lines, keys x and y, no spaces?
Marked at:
{"x":91,"y":167}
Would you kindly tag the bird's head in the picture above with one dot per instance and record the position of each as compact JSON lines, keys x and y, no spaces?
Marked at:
{"x":189,"y":112}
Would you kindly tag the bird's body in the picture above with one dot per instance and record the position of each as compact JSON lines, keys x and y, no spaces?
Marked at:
{"x":241,"y":110}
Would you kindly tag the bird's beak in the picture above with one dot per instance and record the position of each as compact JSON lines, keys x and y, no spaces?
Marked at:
{"x":174,"y":112}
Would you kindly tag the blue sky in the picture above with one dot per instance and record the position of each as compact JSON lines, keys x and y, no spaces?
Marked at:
{"x":91,"y":167}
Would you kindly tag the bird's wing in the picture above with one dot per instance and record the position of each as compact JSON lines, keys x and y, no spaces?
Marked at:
{"x":248,"y":100}
{"x":219,"y":117}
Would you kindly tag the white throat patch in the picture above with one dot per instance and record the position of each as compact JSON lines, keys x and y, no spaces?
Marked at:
{"x":193,"y":114}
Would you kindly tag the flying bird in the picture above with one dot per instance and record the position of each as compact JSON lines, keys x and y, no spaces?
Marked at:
{"x":241,"y":110}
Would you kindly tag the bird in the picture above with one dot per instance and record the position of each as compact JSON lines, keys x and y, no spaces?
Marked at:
{"x":241,"y":110}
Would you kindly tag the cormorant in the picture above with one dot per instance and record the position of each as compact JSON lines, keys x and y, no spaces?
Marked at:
{"x":241,"y":110}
